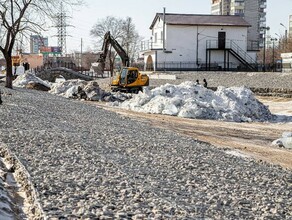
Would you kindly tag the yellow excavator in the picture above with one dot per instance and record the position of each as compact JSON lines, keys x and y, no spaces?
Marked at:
{"x":129,"y":79}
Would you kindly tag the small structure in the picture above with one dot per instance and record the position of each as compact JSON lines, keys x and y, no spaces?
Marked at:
{"x":198,"y":42}
{"x":34,"y":60}
{"x":286,"y":62}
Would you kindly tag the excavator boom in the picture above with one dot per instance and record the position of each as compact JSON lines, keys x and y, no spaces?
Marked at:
{"x":109,"y":40}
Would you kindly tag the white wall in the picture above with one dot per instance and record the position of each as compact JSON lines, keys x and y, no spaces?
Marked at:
{"x":181,"y":42}
{"x":157,"y":42}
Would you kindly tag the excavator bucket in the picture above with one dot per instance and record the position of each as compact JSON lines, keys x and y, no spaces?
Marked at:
{"x":97,"y":68}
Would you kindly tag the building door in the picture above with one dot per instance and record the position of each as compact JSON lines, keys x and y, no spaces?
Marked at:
{"x":221,"y":40}
{"x":149,"y":64}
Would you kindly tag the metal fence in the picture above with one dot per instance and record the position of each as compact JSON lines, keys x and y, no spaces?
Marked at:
{"x":193,"y":66}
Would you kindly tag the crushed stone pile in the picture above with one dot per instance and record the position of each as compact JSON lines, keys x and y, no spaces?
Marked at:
{"x":190,"y":100}
{"x":83,"y":166}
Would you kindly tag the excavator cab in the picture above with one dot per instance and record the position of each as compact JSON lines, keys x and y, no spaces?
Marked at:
{"x":128,"y":76}
{"x":123,"y":78}
{"x":130,"y":80}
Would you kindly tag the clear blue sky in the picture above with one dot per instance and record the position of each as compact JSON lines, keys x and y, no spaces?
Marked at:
{"x":143,"y":12}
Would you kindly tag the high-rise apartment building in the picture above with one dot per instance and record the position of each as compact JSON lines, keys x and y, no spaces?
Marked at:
{"x":253,"y":11}
{"x":36,"y":42}
{"x":220,"y":7}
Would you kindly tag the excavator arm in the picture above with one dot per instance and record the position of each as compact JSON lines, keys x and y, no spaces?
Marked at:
{"x":109,"y":40}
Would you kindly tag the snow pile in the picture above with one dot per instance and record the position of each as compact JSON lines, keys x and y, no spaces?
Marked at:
{"x":284,"y":141}
{"x":80,"y":89}
{"x":67,"y":88}
{"x":27,"y":78}
{"x":189,"y":100}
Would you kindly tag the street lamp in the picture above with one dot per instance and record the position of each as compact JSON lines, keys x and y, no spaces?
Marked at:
{"x":278,"y":35}
{"x":264,"y":57}
{"x":286,"y":33}
{"x":274,"y":40}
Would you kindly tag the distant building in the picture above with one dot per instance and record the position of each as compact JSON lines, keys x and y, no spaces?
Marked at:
{"x":36,"y":42}
{"x":286,"y":62}
{"x":290,"y":25}
{"x":253,"y":11}
{"x":34,"y":60}
{"x":85,"y":59}
{"x":220,"y":7}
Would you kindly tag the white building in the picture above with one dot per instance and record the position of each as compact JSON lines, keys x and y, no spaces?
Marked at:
{"x":192,"y":42}
{"x":286,"y":62}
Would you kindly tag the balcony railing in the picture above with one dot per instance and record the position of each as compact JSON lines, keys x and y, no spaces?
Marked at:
{"x":150,"y":45}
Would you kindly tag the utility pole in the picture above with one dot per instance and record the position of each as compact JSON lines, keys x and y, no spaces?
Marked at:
{"x":163,"y":30}
{"x":264,"y":52}
{"x":81,"y":55}
{"x":286,"y":35}
{"x":273,"y":40}
{"x":197,"y":47}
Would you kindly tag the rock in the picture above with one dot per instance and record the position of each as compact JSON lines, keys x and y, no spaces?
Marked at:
{"x":287,"y":142}
{"x":93,"y":91}
{"x":37,"y":86}
{"x":278,"y":143}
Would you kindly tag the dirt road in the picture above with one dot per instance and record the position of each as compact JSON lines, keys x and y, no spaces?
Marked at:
{"x":249,"y":139}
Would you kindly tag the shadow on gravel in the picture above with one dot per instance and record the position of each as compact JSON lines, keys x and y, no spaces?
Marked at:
{"x":281,"y":119}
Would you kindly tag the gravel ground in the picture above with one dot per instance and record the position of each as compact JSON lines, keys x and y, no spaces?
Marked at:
{"x":272,"y":80}
{"x":228,"y":79}
{"x":89,"y":163}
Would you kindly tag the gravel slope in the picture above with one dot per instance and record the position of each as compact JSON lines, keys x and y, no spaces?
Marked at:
{"x":86,"y":162}
{"x":228,"y":79}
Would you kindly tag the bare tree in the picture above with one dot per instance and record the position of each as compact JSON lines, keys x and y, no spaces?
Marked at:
{"x":88,"y":58}
{"x":21,"y":17}
{"x":122,"y":30}
{"x":110,"y":23}
{"x":274,"y":50}
{"x":131,"y":39}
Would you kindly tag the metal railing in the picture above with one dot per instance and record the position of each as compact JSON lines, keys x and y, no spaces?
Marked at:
{"x":150,"y":45}
{"x":242,"y":53}
{"x":192,"y":66}
{"x":213,"y":44}
{"x":79,"y":70}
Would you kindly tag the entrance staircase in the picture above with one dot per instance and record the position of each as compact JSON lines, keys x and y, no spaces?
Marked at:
{"x":232,"y":48}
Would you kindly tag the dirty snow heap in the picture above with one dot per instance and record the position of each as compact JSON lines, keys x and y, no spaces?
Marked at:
{"x":189,"y":100}
{"x":29,"y":78}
